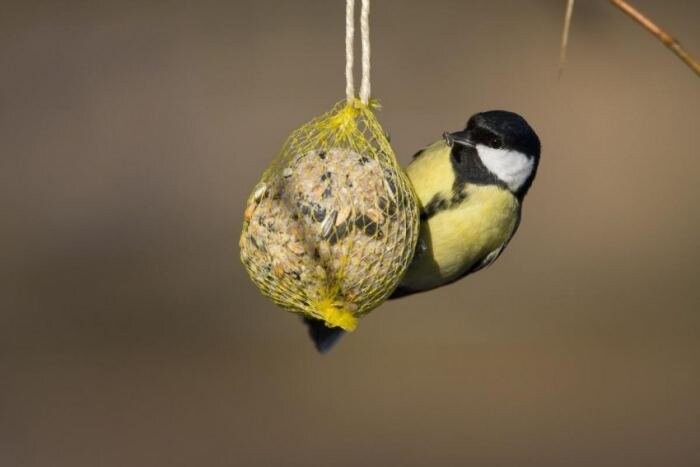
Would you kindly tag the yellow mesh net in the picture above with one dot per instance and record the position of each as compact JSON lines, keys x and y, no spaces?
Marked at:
{"x":331,"y":226}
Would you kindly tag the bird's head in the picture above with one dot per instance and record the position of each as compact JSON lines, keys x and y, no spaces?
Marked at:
{"x":496,"y":145}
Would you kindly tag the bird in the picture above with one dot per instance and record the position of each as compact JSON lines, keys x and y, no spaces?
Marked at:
{"x":470,"y":185}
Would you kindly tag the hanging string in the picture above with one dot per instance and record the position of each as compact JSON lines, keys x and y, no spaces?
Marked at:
{"x":349,"y":52}
{"x":364,"y":29}
{"x":365,"y":88}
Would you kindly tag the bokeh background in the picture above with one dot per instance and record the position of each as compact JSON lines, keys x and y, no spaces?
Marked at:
{"x":131,"y":133}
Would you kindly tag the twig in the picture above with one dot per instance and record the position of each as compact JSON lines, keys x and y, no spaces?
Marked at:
{"x":565,"y":35}
{"x":662,"y":35}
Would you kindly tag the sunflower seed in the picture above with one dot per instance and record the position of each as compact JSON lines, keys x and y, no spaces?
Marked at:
{"x":328,"y":224}
{"x":260,"y":192}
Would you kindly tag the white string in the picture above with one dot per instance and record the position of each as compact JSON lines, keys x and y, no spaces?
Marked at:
{"x":364,"y":28}
{"x":349,"y":52}
{"x":365,"y":88}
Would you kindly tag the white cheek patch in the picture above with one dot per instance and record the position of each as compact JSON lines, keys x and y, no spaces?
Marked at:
{"x":511,"y":167}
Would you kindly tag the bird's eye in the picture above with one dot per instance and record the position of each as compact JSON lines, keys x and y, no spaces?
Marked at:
{"x":495,"y":143}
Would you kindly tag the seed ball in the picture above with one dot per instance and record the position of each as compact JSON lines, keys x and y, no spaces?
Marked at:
{"x":329,"y":227}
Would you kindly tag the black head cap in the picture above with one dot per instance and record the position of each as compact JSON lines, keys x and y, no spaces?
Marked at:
{"x":500,"y":128}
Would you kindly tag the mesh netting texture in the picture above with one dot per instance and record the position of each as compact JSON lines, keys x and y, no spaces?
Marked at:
{"x":331,"y":226}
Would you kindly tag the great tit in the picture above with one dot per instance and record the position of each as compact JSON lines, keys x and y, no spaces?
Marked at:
{"x":470,"y":185}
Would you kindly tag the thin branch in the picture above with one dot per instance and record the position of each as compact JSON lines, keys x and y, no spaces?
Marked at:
{"x":662,"y":35}
{"x":565,"y":35}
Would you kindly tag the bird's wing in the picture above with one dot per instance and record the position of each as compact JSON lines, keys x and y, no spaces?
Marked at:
{"x":493,"y":255}
{"x":484,"y":262}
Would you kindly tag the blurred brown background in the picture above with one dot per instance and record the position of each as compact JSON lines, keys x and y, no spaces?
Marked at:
{"x":131,"y":134}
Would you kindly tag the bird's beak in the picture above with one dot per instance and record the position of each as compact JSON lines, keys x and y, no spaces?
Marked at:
{"x":458,"y":137}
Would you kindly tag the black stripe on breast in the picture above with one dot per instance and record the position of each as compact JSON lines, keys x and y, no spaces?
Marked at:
{"x":436,"y":204}
{"x":440,"y":203}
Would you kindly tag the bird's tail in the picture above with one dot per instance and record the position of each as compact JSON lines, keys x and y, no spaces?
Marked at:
{"x":324,"y":338}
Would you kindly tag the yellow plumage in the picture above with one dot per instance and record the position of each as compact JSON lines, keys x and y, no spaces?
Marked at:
{"x":470,"y":229}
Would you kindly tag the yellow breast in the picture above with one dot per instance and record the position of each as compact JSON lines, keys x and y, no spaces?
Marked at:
{"x":458,"y":237}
